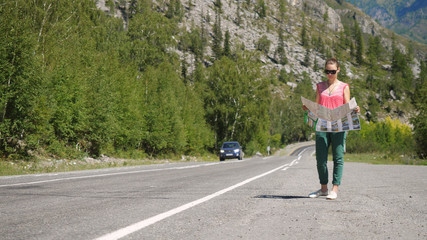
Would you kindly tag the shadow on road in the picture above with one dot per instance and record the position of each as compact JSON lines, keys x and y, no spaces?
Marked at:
{"x":279,"y":197}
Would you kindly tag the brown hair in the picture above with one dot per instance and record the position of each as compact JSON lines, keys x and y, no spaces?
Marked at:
{"x":332,"y":61}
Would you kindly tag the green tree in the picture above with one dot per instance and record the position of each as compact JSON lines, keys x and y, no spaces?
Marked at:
{"x":359,"y":43}
{"x":304,"y":35}
{"x":218,"y":6}
{"x":20,"y":81}
{"x":263,"y":44}
{"x":237,"y":100}
{"x":280,"y":51}
{"x":138,"y":7}
{"x":165,"y":129}
{"x":282,"y":10}
{"x":110,"y":4}
{"x":325,"y":16}
{"x":402,"y":73}
{"x":261,"y":8}
{"x":238,"y":20}
{"x":374,"y":108}
{"x":293,"y":126}
{"x":170,"y":13}
{"x":307,"y":62}
{"x":178,"y":9}
{"x":283,"y":76}
{"x":227,"y":50}
{"x":352,"y":53}
{"x":418,"y":120}
{"x":345,"y":37}
{"x":150,"y":36}
{"x":217,"y":37}
{"x":197,"y":43}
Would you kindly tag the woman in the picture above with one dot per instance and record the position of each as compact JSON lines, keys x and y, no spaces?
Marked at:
{"x":331,"y":94}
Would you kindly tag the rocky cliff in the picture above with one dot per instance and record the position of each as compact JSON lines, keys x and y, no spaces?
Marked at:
{"x":251,"y":28}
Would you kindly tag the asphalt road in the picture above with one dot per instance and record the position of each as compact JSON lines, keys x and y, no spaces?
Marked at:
{"x":256,"y":198}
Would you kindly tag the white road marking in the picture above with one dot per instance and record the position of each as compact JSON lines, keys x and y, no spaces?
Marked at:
{"x":108,"y":174}
{"x":147,"y":222}
{"x":294,"y":162}
{"x":211,"y":164}
{"x":299,"y":154}
{"x":286,"y":167}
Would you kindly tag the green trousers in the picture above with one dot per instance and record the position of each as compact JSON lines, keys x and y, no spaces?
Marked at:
{"x":323,"y":141}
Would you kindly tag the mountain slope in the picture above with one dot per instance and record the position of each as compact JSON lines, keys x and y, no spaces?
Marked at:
{"x":407,"y":18}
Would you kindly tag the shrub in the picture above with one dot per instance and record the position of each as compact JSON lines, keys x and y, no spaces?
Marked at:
{"x":385,"y":136}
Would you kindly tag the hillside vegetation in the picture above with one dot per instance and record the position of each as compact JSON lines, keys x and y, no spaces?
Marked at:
{"x":147,"y":78}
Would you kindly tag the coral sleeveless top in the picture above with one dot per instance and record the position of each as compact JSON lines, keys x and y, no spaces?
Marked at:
{"x":333,"y":99}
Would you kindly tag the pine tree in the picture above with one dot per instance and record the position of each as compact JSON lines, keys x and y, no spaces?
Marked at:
{"x":352,"y":53}
{"x":359,"y":43}
{"x":263,"y":44}
{"x":373,"y":52}
{"x":178,"y":11}
{"x":307,"y":62}
{"x":374,"y":108}
{"x":227,"y":50}
{"x":218,"y":6}
{"x":170,"y":13}
{"x":238,"y":20}
{"x":304,"y":37}
{"x":184,"y":71}
{"x":197,"y":44}
{"x":217,"y":37}
{"x":315,"y":64}
{"x":326,"y":16}
{"x":280,"y":52}
{"x":138,"y":7}
{"x":402,"y":72}
{"x":283,"y":76}
{"x":203,"y":38}
{"x":345,"y":37}
{"x":282,"y":9}
{"x":418,"y":120}
{"x":261,"y":9}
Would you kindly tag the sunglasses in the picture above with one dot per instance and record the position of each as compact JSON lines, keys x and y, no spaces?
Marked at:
{"x":330,"y":71}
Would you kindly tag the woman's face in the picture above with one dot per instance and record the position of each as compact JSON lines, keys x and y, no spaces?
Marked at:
{"x":331,"y":71}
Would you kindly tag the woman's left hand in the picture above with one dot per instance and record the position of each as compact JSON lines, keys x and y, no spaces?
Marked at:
{"x":304,"y":108}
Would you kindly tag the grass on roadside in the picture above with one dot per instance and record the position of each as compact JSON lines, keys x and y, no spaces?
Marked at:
{"x":381,"y":158}
{"x":22,"y":167}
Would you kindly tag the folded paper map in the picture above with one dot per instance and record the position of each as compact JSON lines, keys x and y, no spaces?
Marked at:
{"x":323,"y":119}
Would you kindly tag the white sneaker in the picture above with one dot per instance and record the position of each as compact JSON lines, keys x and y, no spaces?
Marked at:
{"x":317,"y":194}
{"x":332,"y":195}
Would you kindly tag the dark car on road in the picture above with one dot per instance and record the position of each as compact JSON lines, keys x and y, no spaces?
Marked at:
{"x":230,"y":150}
